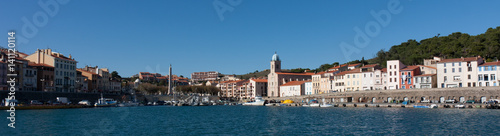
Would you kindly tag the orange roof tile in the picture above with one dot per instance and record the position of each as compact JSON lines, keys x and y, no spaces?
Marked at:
{"x":260,"y":80}
{"x":490,"y":64}
{"x":305,"y":73}
{"x":384,"y":70}
{"x":294,"y":83}
{"x":369,"y":66}
{"x":410,"y":68}
{"x":428,"y":66}
{"x":62,"y":57}
{"x":459,"y":59}
{"x":351,"y":65}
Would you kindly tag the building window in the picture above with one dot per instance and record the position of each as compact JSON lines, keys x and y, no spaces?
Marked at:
{"x":445,"y":78}
{"x":390,"y":67}
{"x":453,"y":64}
{"x":445,"y":70}
{"x":390,"y":80}
{"x":459,"y":63}
{"x":480,"y":68}
{"x":493,"y":77}
{"x":452,"y":70}
{"x":444,"y":64}
{"x":485,"y":77}
{"x":468,"y":76}
{"x":479,"y":77}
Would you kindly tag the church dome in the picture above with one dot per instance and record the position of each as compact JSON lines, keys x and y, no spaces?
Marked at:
{"x":275,"y":57}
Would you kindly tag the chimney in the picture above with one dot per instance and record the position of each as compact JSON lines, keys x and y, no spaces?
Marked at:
{"x":69,"y":56}
{"x":49,"y":51}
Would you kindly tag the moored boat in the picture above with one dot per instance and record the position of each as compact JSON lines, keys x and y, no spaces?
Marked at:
{"x":258,"y":102}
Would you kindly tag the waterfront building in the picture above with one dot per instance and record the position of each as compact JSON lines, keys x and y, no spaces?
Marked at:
{"x":458,"y":72}
{"x":103,"y":83}
{"x":29,"y":77}
{"x":45,"y":77}
{"x":380,"y":80}
{"x":92,"y":80}
{"x":326,"y":81}
{"x":339,"y":81}
{"x":368,"y":77}
{"x":293,"y":88}
{"x":353,"y":80}
{"x":116,"y":86}
{"x":407,"y":75}
{"x":204,"y":76}
{"x":393,"y":69}
{"x":431,"y":62}
{"x":64,"y":68}
{"x":258,"y":87}
{"x":425,"y":81}
{"x":276,"y":77}
{"x":308,"y":87}
{"x":3,"y":75}
{"x":81,"y":82}
{"x":230,"y":88}
{"x":427,"y":69}
{"x":487,"y":74}
{"x":229,"y":78}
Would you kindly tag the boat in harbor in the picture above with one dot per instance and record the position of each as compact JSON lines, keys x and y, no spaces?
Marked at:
{"x":325,"y":105}
{"x":105,"y":102}
{"x":258,"y":102}
{"x":460,"y":106}
{"x":128,"y":104}
{"x":312,"y":103}
{"x":425,"y":106}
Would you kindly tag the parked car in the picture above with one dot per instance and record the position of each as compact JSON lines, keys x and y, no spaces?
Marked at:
{"x":35,"y":102}
{"x":425,"y":101}
{"x":449,"y":101}
{"x":470,"y":101}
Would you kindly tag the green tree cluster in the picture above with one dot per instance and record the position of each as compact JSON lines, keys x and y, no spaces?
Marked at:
{"x":455,"y":45}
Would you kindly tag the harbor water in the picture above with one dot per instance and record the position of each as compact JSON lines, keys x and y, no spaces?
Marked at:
{"x":253,"y":120}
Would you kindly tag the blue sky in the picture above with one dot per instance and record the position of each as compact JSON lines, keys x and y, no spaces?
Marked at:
{"x":131,"y":36}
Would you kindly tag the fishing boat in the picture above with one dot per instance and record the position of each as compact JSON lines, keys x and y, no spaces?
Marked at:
{"x":258,"y":102}
{"x":460,"y":106}
{"x":312,"y":103}
{"x":105,"y":102}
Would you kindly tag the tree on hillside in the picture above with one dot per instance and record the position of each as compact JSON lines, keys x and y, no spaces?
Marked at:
{"x":115,"y":75}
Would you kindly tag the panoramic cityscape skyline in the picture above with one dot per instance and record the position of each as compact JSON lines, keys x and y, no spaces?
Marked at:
{"x":193,"y":37}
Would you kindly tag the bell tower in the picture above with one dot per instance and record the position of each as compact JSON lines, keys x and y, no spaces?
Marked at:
{"x":275,"y":63}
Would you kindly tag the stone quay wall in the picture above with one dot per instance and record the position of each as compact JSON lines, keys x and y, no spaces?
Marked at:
{"x":416,"y":95}
{"x":27,"y":96}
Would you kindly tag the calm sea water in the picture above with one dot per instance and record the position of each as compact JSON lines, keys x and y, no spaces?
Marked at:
{"x":243,"y":120}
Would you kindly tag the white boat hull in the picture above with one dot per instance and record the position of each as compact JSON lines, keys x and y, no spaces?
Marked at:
{"x":325,"y":105}
{"x":258,"y":103}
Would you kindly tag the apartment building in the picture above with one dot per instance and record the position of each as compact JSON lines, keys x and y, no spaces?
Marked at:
{"x":293,"y":88}
{"x":64,"y":68}
{"x":368,"y":76}
{"x":458,"y":72}
{"x":393,"y":76}
{"x":204,"y":76}
{"x":487,"y":74}
{"x":258,"y":87}
{"x":407,"y":75}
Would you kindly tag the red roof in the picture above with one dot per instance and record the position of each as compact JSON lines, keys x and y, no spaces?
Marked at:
{"x":260,"y":80}
{"x":370,"y":66}
{"x":384,"y":70}
{"x":428,"y":66}
{"x":459,"y":59}
{"x":410,"y":68}
{"x":305,"y":73}
{"x":491,"y":64}
{"x":352,"y":65}
{"x":294,"y":83}
{"x":39,"y":64}
{"x":62,"y":57}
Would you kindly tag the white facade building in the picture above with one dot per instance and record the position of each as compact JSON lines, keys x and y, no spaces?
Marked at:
{"x":487,"y":74}
{"x":393,"y":68}
{"x":458,"y":72}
